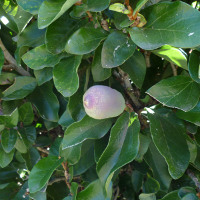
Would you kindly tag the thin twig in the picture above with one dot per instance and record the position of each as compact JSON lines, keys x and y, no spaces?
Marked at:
{"x":173,"y":69}
{"x":147,"y":58}
{"x":43,"y":150}
{"x":87,"y":79}
{"x":12,"y":61}
{"x":65,"y":167}
{"x":56,"y":180}
{"x":117,"y":194}
{"x":194,"y":178}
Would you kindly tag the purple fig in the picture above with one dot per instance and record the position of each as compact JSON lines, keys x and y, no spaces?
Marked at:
{"x":102,"y":102}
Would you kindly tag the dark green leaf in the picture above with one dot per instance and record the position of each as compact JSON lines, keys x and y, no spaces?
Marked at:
{"x":192,"y":116}
{"x":65,"y":120}
{"x":31,"y":6}
{"x":54,"y":9}
{"x":46,"y":102}
{"x":166,"y":25}
{"x":97,"y":6}
{"x":65,"y":75}
{"x":116,"y":50}
{"x":168,"y":134}
{"x":151,"y":185}
{"x":41,"y":172}
{"x":43,"y":75}
{"x":194,"y":66}
{"x":159,"y":167}
{"x":22,"y":87}
{"x":5,"y":158}
{"x":85,"y":40}
{"x":59,"y":32}
{"x":171,"y":196}
{"x":8,"y":139}
{"x":137,"y":180}
{"x":11,"y":120}
{"x":172,"y":54}
{"x":1,"y":60}
{"x":98,"y":72}
{"x":176,"y":92}
{"x":135,"y":66}
{"x":40,"y":58}
{"x":87,"y":128}
{"x":26,"y":114}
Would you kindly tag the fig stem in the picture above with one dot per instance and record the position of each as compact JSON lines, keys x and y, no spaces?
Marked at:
{"x":87,"y":79}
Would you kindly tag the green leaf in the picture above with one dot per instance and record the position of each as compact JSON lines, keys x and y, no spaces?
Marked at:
{"x":1,"y":60}
{"x":147,"y":196}
{"x":135,"y":66}
{"x":5,"y":158}
{"x":54,"y":9}
{"x":65,"y":75}
{"x":93,"y":191}
{"x":7,"y":78}
{"x":41,"y":173}
{"x":85,"y":40}
{"x":166,"y":25}
{"x":46,"y":102}
{"x":11,"y":120}
{"x":10,"y":7}
{"x":194,"y":66}
{"x":192,"y":116}
{"x":65,"y":120}
{"x":171,"y":196}
{"x":151,"y":185}
{"x":159,"y":167}
{"x":87,"y":128}
{"x":31,"y":6}
{"x":177,"y":92}
{"x":40,"y":58}
{"x":117,"y":48}
{"x":109,"y":160}
{"x":43,"y":75}
{"x":8,"y":139}
{"x":139,"y":5}
{"x":97,"y":6}
{"x":137,"y":180}
{"x":118,"y":7}
{"x":165,"y":130}
{"x":26,"y":114}
{"x":98,"y":72}
{"x":59,"y":32}
{"x":172,"y":54}
{"x":22,"y":87}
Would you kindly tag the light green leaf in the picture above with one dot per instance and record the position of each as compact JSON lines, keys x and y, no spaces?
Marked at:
{"x":5,"y":158}
{"x":41,"y":173}
{"x":22,"y":87}
{"x":85,"y":40}
{"x":7,"y":78}
{"x":43,"y":75}
{"x":166,"y":25}
{"x":168,"y":134}
{"x":118,"y":7}
{"x":172,"y":54}
{"x":65,"y":75}
{"x":177,"y":92}
{"x":151,"y":196}
{"x":26,"y":114}
{"x":117,"y":48}
{"x":171,"y":196}
{"x":51,"y":10}
{"x":87,"y":128}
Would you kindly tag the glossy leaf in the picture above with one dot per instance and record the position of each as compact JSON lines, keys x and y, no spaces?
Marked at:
{"x":176,"y":92}
{"x":41,"y":172}
{"x":31,"y":6}
{"x":117,"y":48}
{"x":59,"y":32}
{"x":5,"y":158}
{"x":171,"y":196}
{"x":43,"y":75}
{"x":165,"y":129}
{"x":194,"y":66}
{"x":54,"y":9}
{"x":8,"y":139}
{"x":165,"y":25}
{"x":22,"y":87}
{"x":11,"y":120}
{"x":65,"y":75}
{"x":172,"y":54}
{"x":192,"y":116}
{"x":85,"y":40}
{"x":84,"y":129}
{"x":96,"y":5}
{"x":98,"y":72}
{"x":40,"y":58}
{"x":26,"y":114}
{"x":135,"y":66}
{"x":46,"y":102}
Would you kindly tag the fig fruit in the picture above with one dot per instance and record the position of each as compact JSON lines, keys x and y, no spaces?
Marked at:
{"x":102,"y":102}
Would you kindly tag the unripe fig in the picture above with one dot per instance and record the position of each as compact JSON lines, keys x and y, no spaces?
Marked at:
{"x":102,"y":102}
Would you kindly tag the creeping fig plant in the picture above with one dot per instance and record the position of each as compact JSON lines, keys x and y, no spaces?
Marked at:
{"x":102,"y":102}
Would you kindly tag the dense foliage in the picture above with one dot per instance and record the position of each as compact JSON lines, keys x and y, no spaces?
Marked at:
{"x":52,"y":52}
